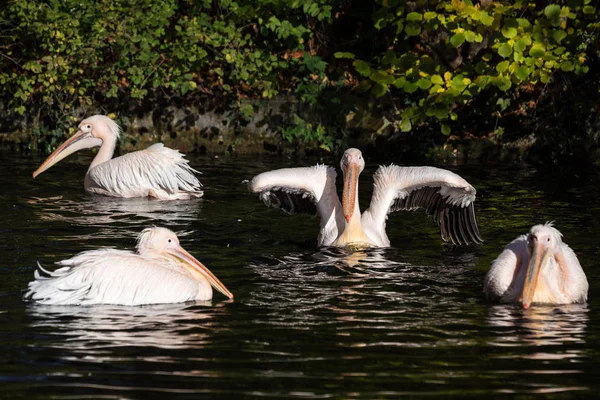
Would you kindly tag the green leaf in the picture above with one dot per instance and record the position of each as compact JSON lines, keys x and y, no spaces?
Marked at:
{"x":341,"y":54}
{"x":414,"y":16}
{"x":544,"y":77}
{"x":502,"y":66}
{"x":446,"y":129}
{"x":559,"y":35}
{"x":520,"y":45}
{"x":363,"y":86}
{"x":473,"y":37}
{"x":522,"y":73}
{"x":458,"y":83}
{"x":382,"y":77}
{"x":399,"y":83}
{"x":362,"y":67}
{"x":566,"y":66}
{"x":405,"y":125}
{"x":457,"y":39}
{"x":437,"y":80}
{"x":505,"y":50}
{"x":410,"y":87}
{"x":412,"y":29}
{"x":502,"y":83}
{"x":589,"y":10}
{"x":486,"y":19}
{"x":537,"y":50}
{"x":552,"y":11}
{"x":434,"y":89}
{"x":440,"y":111}
{"x":424,"y":83}
{"x":379,"y":89}
{"x":509,"y":32}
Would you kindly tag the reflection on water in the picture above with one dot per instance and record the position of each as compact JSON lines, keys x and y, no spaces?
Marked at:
{"x":407,"y":321}
{"x":539,"y":325}
{"x":102,"y":210}
{"x":169,"y":326}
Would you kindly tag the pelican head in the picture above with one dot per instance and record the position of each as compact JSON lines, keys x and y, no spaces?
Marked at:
{"x":542,"y":242}
{"x":352,"y":165}
{"x":93,"y":132}
{"x":162,"y":242}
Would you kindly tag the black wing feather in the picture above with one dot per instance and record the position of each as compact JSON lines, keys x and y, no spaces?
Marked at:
{"x":457,"y":223}
{"x":290,"y":201}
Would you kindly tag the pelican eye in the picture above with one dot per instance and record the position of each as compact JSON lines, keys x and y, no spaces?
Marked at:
{"x":547,"y":240}
{"x":170,"y":240}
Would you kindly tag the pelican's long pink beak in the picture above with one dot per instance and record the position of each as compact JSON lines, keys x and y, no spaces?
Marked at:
{"x":76,"y":142}
{"x":349,"y":192}
{"x":539,"y":256}
{"x":197,"y":266}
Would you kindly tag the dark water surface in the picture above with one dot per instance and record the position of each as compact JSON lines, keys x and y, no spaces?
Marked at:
{"x":306,"y":322}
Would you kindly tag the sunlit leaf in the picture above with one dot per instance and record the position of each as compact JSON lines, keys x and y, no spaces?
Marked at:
{"x":505,"y":50}
{"x":446,"y":129}
{"x":341,"y":54}
{"x":457,"y":39}
{"x":522,"y":72}
{"x":362,"y":67}
{"x":412,"y":29}
{"x":405,"y":125}
{"x":502,"y":66}
{"x":414,"y":16}
{"x":424,"y":83}
{"x":537,"y":50}
{"x":558,"y":35}
{"x":437,"y":80}
{"x":509,"y":32}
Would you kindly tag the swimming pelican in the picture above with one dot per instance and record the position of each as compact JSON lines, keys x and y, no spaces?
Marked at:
{"x":157,"y":171}
{"x":443,"y":194}
{"x":537,"y":268}
{"x":160,"y":272}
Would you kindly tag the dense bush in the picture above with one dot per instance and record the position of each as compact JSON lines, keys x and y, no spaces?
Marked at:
{"x":440,"y":64}
{"x":441,"y":55}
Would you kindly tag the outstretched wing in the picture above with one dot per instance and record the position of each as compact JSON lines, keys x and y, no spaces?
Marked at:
{"x":441,"y":193}
{"x":309,"y":190}
{"x":157,"y":171}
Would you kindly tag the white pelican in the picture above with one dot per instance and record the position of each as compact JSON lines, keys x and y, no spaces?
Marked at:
{"x":157,"y":171}
{"x":537,"y":268}
{"x":160,"y":272}
{"x":442,"y":193}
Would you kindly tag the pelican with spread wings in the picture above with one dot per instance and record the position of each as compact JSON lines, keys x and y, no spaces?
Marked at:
{"x":441,"y":193}
{"x":157,"y":171}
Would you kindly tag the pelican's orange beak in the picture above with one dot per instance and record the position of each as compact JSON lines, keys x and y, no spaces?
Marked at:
{"x":78,"y":141}
{"x":180,"y":254}
{"x":539,"y":257}
{"x":350,"y":186}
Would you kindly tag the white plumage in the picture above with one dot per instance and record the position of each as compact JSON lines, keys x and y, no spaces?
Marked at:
{"x":160,"y":272}
{"x":157,"y":171}
{"x":443,"y":194}
{"x":537,"y":268}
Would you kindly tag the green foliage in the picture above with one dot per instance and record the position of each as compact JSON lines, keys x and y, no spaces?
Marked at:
{"x":425,"y":62}
{"x":60,"y":58}
{"x":312,"y":135}
{"x":441,"y":55}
